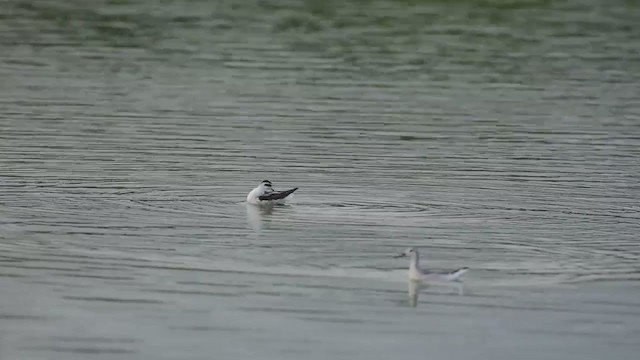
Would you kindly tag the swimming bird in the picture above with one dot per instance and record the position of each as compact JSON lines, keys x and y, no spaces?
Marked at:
{"x":264,"y":194}
{"x":418,"y":274}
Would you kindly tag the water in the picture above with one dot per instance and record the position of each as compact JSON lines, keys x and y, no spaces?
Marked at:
{"x":499,"y":135}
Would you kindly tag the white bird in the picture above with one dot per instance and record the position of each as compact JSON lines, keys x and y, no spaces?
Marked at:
{"x":264,"y":194}
{"x":418,"y":274}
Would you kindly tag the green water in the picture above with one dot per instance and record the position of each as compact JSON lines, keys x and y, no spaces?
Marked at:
{"x":499,"y":135}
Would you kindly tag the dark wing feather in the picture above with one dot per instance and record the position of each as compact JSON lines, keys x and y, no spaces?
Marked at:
{"x":277,"y":195}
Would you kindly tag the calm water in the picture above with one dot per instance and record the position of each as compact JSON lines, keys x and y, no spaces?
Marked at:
{"x":499,"y":135}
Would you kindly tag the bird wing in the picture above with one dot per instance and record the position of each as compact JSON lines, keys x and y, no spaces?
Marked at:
{"x":442,"y":276}
{"x":277,"y":195}
{"x":455,"y":275}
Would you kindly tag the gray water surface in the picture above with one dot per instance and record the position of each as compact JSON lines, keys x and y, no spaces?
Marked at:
{"x":499,"y":135}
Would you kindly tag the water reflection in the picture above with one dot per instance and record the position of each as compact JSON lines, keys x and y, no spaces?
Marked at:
{"x":416,"y":286}
{"x":257,"y":216}
{"x":414,"y":289}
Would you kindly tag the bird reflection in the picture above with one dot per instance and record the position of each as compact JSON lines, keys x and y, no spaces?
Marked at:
{"x":414,"y":289}
{"x":415,"y":286}
{"x":256,"y":216}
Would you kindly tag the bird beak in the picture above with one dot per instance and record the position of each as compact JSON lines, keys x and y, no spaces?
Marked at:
{"x":399,"y":255}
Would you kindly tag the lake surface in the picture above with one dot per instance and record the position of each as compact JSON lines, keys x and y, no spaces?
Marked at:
{"x":499,"y":135}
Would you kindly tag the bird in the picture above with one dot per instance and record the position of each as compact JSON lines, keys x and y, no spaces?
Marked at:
{"x":264,"y":194}
{"x":418,"y":274}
